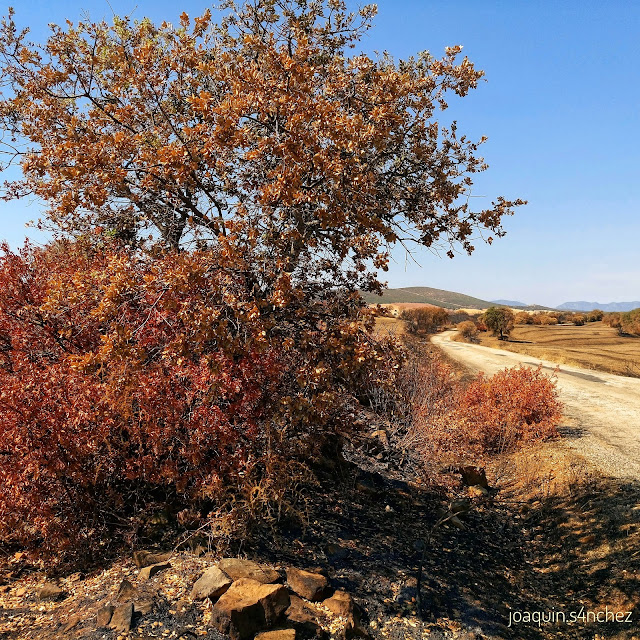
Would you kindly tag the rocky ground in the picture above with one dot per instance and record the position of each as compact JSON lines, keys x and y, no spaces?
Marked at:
{"x":549,"y":535}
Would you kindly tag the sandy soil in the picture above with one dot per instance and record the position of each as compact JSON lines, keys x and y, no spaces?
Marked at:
{"x":602,"y":411}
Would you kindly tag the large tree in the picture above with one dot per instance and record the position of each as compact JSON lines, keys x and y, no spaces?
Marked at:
{"x":500,"y":320}
{"x":262,"y":130}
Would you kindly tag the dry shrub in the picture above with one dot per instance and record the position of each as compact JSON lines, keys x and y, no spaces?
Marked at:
{"x":630,"y":322}
{"x":424,"y":320}
{"x":594,"y":316}
{"x":613,"y":319}
{"x":468,"y":330}
{"x":523,"y":318}
{"x":512,"y":407}
{"x":446,"y":421}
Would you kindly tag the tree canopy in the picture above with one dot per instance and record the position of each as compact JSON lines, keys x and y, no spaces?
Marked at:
{"x":500,"y":320}
{"x":220,"y":191}
{"x":261,"y":129}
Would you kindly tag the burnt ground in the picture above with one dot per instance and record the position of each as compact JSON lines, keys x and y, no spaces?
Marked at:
{"x":555,"y":537}
{"x":552,"y":537}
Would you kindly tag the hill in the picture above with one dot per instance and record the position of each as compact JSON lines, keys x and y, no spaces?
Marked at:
{"x":581,"y":305}
{"x":428,"y":295}
{"x":509,"y":303}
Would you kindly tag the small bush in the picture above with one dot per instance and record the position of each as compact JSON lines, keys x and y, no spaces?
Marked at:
{"x":594,"y":316}
{"x":523,"y":318}
{"x":468,"y":330}
{"x":613,"y":320}
{"x":444,"y":421}
{"x":630,"y":322}
{"x":515,"y":406}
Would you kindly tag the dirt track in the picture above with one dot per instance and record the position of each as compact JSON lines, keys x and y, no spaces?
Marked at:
{"x":602,"y":411}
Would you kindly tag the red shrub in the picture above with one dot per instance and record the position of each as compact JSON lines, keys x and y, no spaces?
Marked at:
{"x":126,"y":382}
{"x":516,"y":405}
{"x":454,"y":423}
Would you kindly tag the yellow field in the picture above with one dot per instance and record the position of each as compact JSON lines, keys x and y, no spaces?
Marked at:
{"x":389,"y":326}
{"x":593,"y":346}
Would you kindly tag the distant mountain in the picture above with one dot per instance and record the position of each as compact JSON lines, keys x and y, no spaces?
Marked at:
{"x":509,"y":303}
{"x":427,"y":295}
{"x":581,"y":305}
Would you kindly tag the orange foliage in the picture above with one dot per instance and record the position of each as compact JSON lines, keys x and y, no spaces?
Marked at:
{"x":262,"y":129}
{"x":455,"y":423}
{"x":629,"y":322}
{"x":468,"y":330}
{"x":514,"y":406}
{"x":235,"y":185}
{"x":424,"y":319}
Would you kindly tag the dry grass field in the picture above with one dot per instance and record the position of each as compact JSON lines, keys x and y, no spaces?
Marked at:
{"x":389,"y":326}
{"x":593,"y":346}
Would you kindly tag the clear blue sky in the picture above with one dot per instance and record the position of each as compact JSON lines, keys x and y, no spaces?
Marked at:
{"x":561,"y":108}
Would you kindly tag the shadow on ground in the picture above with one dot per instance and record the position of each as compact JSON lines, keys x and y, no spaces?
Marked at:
{"x":543,"y":544}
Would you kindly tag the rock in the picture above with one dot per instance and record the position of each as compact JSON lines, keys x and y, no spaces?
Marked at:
{"x":144,"y":559}
{"x":50,"y":591}
{"x":72,"y":622}
{"x":143,"y":607}
{"x":249,"y":606}
{"x":126,"y":591}
{"x":457,"y":523}
{"x":104,"y":615}
{"x":122,"y":617}
{"x":389,"y":509}
{"x":211,"y":584}
{"x":341,"y":604}
{"x":152,"y":570}
{"x":277,"y":634}
{"x":311,"y":586}
{"x":304,"y":620}
{"x":380,"y":437}
{"x":236,"y":568}
{"x":460,"y":505}
{"x":22,"y":591}
{"x":477,"y":491}
{"x":472,"y":476}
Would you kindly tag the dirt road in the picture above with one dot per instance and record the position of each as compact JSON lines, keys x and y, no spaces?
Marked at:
{"x":602,"y":411}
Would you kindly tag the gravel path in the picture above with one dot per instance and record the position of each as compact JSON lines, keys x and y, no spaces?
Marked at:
{"x":602,"y":411}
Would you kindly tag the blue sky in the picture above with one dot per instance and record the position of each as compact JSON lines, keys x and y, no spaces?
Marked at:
{"x":560,"y":108}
